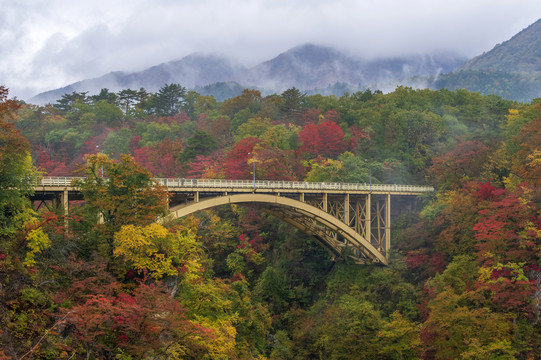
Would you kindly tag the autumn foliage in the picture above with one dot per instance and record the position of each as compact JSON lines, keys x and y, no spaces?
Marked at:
{"x":116,"y":279}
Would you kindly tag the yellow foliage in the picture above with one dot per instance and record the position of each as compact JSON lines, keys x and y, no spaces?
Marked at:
{"x":484,"y":274}
{"x":155,"y":249}
{"x":37,"y":242}
{"x":223,"y":344}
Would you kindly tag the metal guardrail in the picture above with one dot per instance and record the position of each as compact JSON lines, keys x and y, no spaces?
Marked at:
{"x":260,"y":184}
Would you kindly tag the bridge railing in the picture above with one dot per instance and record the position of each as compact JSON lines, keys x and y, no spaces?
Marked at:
{"x":271,"y":184}
{"x":260,"y":184}
{"x":59,"y":180}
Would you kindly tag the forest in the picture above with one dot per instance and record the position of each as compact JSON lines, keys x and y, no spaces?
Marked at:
{"x":234,"y":283}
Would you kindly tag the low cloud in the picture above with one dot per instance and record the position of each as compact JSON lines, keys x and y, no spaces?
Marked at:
{"x":48,"y":44}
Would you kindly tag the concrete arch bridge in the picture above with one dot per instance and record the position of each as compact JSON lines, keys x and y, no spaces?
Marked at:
{"x":352,"y":219}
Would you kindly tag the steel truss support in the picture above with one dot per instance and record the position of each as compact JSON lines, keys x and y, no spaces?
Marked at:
{"x":359,"y":223}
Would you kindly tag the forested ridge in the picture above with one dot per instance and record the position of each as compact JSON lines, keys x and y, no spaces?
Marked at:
{"x":110,"y":282}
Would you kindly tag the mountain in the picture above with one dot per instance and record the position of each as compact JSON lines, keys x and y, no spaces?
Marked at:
{"x":520,"y":54}
{"x":511,"y":69}
{"x":310,"y":66}
{"x":305,"y":67}
{"x":191,"y":71}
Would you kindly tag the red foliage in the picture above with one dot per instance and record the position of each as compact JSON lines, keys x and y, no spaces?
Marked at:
{"x":8,"y":108}
{"x":332,"y":115}
{"x":308,"y":116}
{"x":218,"y":128}
{"x":134,"y":143}
{"x":179,"y":118}
{"x":508,"y":293}
{"x":273,"y":164}
{"x":90,"y":146}
{"x":250,"y":224}
{"x":422,"y":259}
{"x":206,"y":167}
{"x":46,"y":164}
{"x":505,"y":232}
{"x":487,"y":191}
{"x":326,"y":139}
{"x":416,"y":258}
{"x":237,"y":166}
{"x":159,"y":159}
{"x":147,"y":319}
{"x":465,"y":160}
{"x":357,"y":136}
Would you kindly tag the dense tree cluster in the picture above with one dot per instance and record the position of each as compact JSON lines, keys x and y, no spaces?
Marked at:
{"x":115,"y":279}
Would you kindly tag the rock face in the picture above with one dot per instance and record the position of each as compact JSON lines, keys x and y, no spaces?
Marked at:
{"x":306,"y":67}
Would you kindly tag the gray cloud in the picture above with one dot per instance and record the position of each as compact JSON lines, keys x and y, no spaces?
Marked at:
{"x":48,"y":44}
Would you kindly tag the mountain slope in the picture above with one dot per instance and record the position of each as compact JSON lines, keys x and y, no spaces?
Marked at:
{"x":310,"y":66}
{"x":521,"y":53}
{"x":191,"y":71}
{"x":511,"y":69}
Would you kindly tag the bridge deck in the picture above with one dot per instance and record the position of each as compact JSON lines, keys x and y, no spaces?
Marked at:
{"x":48,"y":183}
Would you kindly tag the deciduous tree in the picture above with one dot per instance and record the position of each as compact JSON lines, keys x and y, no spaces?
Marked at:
{"x":325,"y":139}
{"x":16,"y":169}
{"x":122,"y":192}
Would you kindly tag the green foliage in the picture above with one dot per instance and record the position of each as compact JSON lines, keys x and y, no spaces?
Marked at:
{"x":118,"y":142}
{"x":168,"y":101}
{"x":400,"y":338}
{"x":201,"y":143}
{"x":153,"y":132}
{"x":67,"y":101}
{"x":254,"y":127}
{"x":509,"y":85}
{"x":122,"y":193}
{"x":273,"y":288}
{"x":108,"y":113}
{"x":17,"y":174}
{"x":293,"y":102}
{"x":70,"y":138}
{"x":348,"y":168}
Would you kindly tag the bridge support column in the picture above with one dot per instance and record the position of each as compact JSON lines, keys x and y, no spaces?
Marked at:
{"x":380,"y":223}
{"x":368,"y":220}
{"x":346,"y":210}
{"x":65,"y":202}
{"x":325,"y":202}
{"x":388,"y":227}
{"x":65,"y":205}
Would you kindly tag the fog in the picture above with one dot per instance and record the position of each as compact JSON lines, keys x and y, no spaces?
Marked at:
{"x":49,"y":44}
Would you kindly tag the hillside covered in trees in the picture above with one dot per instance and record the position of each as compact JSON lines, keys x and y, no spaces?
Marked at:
{"x":511,"y":69}
{"x":234,"y":283}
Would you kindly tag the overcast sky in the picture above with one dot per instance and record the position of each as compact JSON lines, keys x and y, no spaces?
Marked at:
{"x":46,"y":44}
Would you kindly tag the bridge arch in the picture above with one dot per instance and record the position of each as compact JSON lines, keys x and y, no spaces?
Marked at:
{"x":309,"y":219}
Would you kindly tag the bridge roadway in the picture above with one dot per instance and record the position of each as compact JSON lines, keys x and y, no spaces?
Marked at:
{"x":352,"y":220}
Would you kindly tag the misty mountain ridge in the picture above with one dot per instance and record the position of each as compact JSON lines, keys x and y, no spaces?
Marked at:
{"x":511,"y":69}
{"x":520,"y":54}
{"x":306,"y":67}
